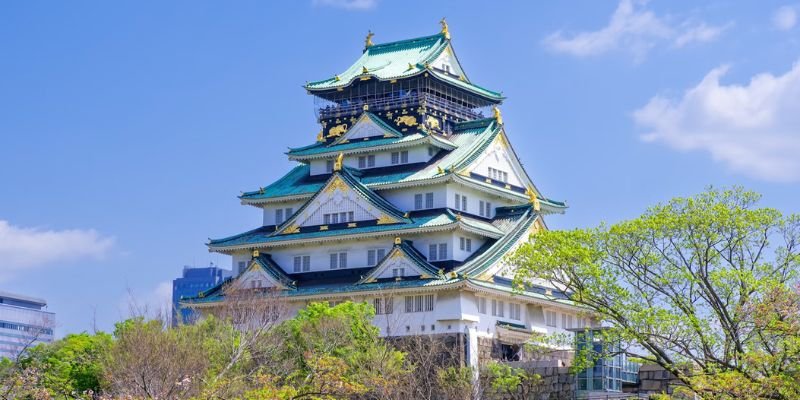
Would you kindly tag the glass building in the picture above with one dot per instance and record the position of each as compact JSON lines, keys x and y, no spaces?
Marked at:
{"x":23,"y":323}
{"x":194,"y":280}
{"x":609,"y":373}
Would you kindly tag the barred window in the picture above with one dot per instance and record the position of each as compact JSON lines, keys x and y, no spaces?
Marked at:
{"x":550,"y":318}
{"x":417,"y":201}
{"x":302,"y":263}
{"x":515,"y":311}
{"x":419,"y":303}
{"x":432,"y":256}
{"x":383,"y":305}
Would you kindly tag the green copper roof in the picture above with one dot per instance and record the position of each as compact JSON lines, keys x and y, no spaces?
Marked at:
{"x":322,"y":149}
{"x":429,"y":219}
{"x":395,"y":60}
{"x":299,"y":182}
{"x":216,"y":293}
{"x":519,"y":218}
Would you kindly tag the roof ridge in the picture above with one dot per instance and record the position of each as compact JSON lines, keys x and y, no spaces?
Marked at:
{"x":379,"y":46}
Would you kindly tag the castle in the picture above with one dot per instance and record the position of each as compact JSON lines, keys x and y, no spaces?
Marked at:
{"x":409,"y":199}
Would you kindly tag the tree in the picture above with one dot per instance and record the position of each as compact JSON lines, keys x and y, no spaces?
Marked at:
{"x":246,"y":344}
{"x":680,"y":286}
{"x":506,"y":382}
{"x":149,"y":361}
{"x":70,"y":367}
{"x":331,"y":353}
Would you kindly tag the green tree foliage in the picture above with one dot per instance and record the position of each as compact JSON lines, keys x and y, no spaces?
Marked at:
{"x":331,"y":353}
{"x":70,"y":367}
{"x":695,"y":285}
{"x":504,"y":381}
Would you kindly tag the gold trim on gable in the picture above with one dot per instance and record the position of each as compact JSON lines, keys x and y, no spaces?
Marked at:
{"x":385,"y":219}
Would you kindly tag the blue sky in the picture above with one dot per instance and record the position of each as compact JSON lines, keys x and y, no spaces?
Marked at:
{"x":127,"y":129}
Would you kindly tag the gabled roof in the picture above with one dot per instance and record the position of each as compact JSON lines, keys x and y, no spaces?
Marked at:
{"x":368,"y":119}
{"x":272,"y":269}
{"x":406,"y":252}
{"x":401,"y":59}
{"x":343,"y":180}
{"x":263,"y":263}
{"x":299,"y":182}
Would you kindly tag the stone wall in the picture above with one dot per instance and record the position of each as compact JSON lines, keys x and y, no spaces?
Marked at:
{"x":556,"y":383}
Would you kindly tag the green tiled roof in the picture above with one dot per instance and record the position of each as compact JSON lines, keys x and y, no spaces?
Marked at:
{"x":417,"y":220}
{"x":465,"y":136}
{"x":481,"y":260}
{"x":216,"y":293}
{"x":396,"y":60}
{"x":334,"y":149}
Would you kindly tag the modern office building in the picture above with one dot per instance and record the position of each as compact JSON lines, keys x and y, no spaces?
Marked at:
{"x":194,"y":280}
{"x":23,"y":323}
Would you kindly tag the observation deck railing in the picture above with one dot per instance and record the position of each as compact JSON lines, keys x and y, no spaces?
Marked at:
{"x":355,"y":106}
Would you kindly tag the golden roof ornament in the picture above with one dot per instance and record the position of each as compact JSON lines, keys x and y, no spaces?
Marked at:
{"x":445,"y":29}
{"x":337,"y":165}
{"x":397,"y":240}
{"x":533,"y":199}
{"x":497,"y":115}
{"x":255,"y":254}
{"x":366,"y":107}
{"x":368,"y":41}
{"x":320,"y":136}
{"x":364,"y":70}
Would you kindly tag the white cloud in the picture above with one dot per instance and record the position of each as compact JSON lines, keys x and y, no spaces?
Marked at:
{"x":785,"y":18}
{"x":357,"y":5}
{"x":26,"y":248}
{"x":753,"y":129}
{"x":699,"y":33}
{"x":632,"y":28}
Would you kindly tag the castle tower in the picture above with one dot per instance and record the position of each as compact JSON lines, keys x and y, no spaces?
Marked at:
{"x":409,"y":198}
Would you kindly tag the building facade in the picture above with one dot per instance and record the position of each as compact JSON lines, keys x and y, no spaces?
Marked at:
{"x":194,"y":280}
{"x":23,"y":323}
{"x":409,"y":199}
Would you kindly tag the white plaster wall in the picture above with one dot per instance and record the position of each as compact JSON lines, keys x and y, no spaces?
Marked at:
{"x":499,"y":157}
{"x":403,"y":199}
{"x":238,"y":257}
{"x":269,"y":210}
{"x":320,"y":255}
{"x":473,"y":199}
{"x":416,"y":154}
{"x":461,"y":255}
